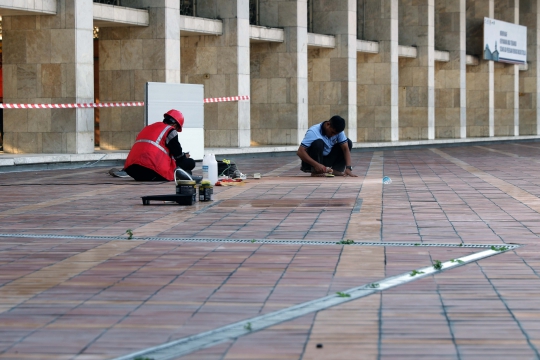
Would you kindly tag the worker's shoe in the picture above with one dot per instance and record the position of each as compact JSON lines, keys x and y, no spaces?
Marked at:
{"x":118,"y":173}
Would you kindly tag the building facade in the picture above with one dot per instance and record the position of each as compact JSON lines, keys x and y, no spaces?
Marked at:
{"x":396,"y":70}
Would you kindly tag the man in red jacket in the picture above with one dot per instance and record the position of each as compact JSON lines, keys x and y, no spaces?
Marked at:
{"x":157,"y":153}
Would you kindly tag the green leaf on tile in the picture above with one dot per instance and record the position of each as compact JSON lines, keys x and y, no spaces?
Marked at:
{"x":343,"y":295}
{"x":345,"y":242}
{"x":248,"y":326}
{"x":253,"y":240}
{"x":499,"y":248}
{"x":437,"y":265}
{"x":129,"y":232}
{"x":374,"y":285}
{"x":416,"y":272}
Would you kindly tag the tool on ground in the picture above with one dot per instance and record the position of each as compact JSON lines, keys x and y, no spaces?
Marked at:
{"x":186,"y":190}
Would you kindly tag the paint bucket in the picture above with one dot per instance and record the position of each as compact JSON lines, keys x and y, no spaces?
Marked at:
{"x":187,"y":187}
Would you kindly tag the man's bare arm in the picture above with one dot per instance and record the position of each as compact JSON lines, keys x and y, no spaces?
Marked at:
{"x":347,"y":155}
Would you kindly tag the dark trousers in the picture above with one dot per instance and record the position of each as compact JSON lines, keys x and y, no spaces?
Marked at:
{"x":335,"y":159}
{"x":140,"y":173}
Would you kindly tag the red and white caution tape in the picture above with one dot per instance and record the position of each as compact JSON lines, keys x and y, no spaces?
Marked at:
{"x":224,"y":99}
{"x":70,"y":106}
{"x":106,"y":105}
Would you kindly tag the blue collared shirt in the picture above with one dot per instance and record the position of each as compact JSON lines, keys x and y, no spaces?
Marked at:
{"x":316,"y":132}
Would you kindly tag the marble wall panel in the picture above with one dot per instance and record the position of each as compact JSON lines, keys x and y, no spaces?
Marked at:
{"x":129,"y":58}
{"x":450,"y":78}
{"x":477,"y":77}
{"x":40,"y":61}
{"x":529,"y":116}
{"x":278,"y":85}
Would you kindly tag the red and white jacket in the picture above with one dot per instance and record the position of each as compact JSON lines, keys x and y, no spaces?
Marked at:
{"x":150,"y":151}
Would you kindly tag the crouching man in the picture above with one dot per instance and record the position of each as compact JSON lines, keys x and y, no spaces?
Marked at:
{"x":326,"y":150}
{"x":157,"y":152}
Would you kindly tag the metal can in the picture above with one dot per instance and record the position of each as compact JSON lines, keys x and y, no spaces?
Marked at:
{"x":187,"y":187}
{"x":206,"y":193}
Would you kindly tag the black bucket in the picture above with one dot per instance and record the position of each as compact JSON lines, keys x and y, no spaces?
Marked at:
{"x":187,"y":187}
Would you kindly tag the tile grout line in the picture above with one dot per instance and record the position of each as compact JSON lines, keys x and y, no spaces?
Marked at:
{"x":187,"y":345}
{"x":97,"y":255}
{"x":523,"y":196}
{"x":445,"y":313}
{"x":370,"y":196}
{"x":512,"y":314}
{"x":59,"y":201}
{"x":282,"y":169}
{"x":475,"y":210}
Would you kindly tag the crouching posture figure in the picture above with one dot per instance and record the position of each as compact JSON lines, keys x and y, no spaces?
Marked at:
{"x":157,"y":152}
{"x":326,"y":150}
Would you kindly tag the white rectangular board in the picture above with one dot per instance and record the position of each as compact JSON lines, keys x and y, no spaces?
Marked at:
{"x":505,"y":42}
{"x":189,"y":100}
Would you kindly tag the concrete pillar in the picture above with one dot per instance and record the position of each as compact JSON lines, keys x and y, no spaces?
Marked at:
{"x":129,"y":57}
{"x":479,"y":77}
{"x":49,"y":59}
{"x":378,"y":73}
{"x":529,"y":86}
{"x":279,"y":93}
{"x":333,"y":72}
{"x":221,"y":64}
{"x":450,"y":77}
{"x":417,"y":76}
{"x":506,"y":119}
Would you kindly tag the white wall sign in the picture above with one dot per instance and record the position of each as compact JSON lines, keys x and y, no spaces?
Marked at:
{"x":189,"y":99}
{"x":505,"y":42}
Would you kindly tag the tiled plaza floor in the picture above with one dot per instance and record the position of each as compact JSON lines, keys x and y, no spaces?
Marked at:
{"x":73,"y":286}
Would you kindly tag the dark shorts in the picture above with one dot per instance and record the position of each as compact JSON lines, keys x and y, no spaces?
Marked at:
{"x":335,"y":159}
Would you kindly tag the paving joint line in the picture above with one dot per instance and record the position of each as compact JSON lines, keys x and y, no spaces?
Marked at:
{"x":190,"y":344}
{"x":487,"y":223}
{"x":258,"y":241}
{"x":512,"y":314}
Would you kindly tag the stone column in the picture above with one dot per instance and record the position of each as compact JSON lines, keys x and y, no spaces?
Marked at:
{"x":221,"y":64}
{"x":279,"y":93}
{"x":49,"y":59}
{"x":506,"y":76}
{"x":129,"y":57}
{"x":334,"y":70}
{"x":479,"y":77}
{"x":417,"y":76}
{"x":378,"y":73}
{"x":529,"y":86}
{"x":450,"y":77}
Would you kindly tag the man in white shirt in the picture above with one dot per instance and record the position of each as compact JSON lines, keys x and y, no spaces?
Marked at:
{"x":326,"y":149}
